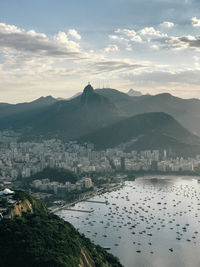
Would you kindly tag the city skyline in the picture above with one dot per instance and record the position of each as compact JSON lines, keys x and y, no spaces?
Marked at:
{"x":54,"y":49}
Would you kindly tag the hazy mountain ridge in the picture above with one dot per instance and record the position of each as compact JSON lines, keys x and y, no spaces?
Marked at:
{"x":74,"y":118}
{"x":94,"y":110}
{"x":132,"y":92}
{"x":19,"y":115}
{"x":150,"y":131}
{"x":185,"y":111}
{"x":10,"y":109}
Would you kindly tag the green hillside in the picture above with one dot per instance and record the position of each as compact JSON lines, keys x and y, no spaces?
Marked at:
{"x":56,"y":174}
{"x":156,"y":130}
{"x":39,"y":238}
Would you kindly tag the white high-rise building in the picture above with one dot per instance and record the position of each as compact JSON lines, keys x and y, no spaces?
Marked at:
{"x":88,"y":183}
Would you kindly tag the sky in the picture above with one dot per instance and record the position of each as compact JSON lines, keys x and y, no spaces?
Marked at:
{"x":50,"y":47}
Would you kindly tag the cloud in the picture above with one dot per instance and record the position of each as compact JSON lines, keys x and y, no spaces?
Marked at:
{"x":159,"y":77}
{"x":38,"y":44}
{"x":184,"y":42}
{"x":74,"y":34}
{"x":117,"y":38}
{"x":129,"y":47}
{"x":108,"y":67}
{"x":126,"y":37}
{"x":167,"y":24}
{"x":116,"y":65}
{"x":111,"y":48}
{"x":62,"y":39}
{"x":32,"y":61}
{"x":195,"y":22}
{"x":123,"y":41}
{"x":5,"y":28}
{"x":151,"y":32}
{"x":131,"y":34}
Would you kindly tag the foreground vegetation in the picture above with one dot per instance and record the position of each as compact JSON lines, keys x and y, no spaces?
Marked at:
{"x":60,"y":175}
{"x":40,"y":238}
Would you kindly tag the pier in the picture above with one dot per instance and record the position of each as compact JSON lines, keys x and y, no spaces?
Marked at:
{"x":98,"y":202}
{"x":107,"y":248}
{"x":87,"y":211}
{"x":87,"y":197}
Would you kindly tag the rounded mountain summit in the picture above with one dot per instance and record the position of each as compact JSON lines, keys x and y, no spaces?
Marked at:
{"x":71,"y":119}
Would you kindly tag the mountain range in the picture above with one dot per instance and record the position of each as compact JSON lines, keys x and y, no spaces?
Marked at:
{"x":185,"y":111}
{"x":74,"y":118}
{"x":132,"y":92}
{"x":102,"y":111}
{"x":18,"y":115}
{"x":148,"y":131}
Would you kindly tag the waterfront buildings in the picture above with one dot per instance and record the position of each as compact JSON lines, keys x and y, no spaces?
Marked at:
{"x":22,"y":159}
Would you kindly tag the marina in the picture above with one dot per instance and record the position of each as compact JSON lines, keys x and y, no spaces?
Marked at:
{"x":153,"y":221}
{"x":89,"y":197}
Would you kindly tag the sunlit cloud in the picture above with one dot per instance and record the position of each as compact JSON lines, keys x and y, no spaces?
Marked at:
{"x":38,"y":44}
{"x":167,"y":24}
{"x":184,"y":42}
{"x":151,"y":31}
{"x":131,"y":34}
{"x":195,"y":22}
{"x":56,"y":63}
{"x":111,"y":48}
{"x":74,"y":34}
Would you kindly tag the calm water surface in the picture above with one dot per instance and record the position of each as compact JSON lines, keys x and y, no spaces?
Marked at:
{"x":153,"y":221}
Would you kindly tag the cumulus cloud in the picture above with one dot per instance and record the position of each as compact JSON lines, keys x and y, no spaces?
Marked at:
{"x":195,"y":22}
{"x":131,"y":34}
{"x":122,"y":40}
{"x":167,"y":24}
{"x":5,"y":28}
{"x":126,"y":37}
{"x":38,"y":44}
{"x":182,"y":42}
{"x":63,"y":39}
{"x":111,"y":48}
{"x":117,"y":38}
{"x":152,"y":32}
{"x":74,"y":34}
{"x":34,"y":60}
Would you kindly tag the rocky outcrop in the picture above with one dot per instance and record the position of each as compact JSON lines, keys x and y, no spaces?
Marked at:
{"x":20,"y":207}
{"x":86,"y":259}
{"x":33,"y":236}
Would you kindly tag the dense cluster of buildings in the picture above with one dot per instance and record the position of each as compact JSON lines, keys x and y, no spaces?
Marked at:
{"x":22,"y":159}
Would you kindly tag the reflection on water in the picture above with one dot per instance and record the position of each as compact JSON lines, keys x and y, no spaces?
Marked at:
{"x":153,"y":221}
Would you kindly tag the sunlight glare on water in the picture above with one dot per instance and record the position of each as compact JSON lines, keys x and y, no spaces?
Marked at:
{"x":153,"y":221}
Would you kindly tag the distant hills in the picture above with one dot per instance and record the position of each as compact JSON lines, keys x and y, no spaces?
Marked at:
{"x":132,"y":92}
{"x":18,"y":115}
{"x":71,"y":119}
{"x":146,"y":131}
{"x":94,"y":111}
{"x":185,"y":111}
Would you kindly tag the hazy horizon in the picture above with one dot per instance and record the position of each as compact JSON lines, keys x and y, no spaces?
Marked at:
{"x":81,"y":90}
{"x":55,"y":49}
